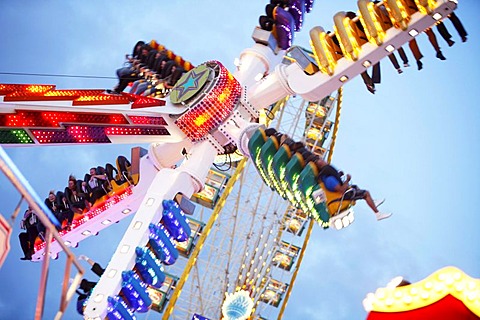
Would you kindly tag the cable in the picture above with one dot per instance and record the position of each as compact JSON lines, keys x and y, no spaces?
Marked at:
{"x":53,"y":75}
{"x":269,"y":114}
{"x":228,"y":159}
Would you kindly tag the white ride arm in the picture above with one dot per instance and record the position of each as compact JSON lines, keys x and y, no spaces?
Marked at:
{"x":186,"y":179}
{"x":292,"y":79}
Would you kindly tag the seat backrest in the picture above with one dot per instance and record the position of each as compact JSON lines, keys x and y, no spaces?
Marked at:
{"x":280,"y":161}
{"x":111,"y":172}
{"x":268,"y":150}
{"x":124,"y":167}
{"x":292,"y":172}
{"x":307,"y":180}
{"x":335,"y":201}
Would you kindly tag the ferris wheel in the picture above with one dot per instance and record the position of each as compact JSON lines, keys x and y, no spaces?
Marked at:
{"x":256,"y":238}
{"x":252,"y":237}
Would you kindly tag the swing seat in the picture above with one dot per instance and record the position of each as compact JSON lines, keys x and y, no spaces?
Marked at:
{"x":292,"y":172}
{"x":267,"y":152}
{"x":278,"y":170}
{"x":342,"y":219}
{"x":340,"y":209}
{"x":257,"y":140}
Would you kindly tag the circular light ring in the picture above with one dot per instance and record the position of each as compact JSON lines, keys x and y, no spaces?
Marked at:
{"x":216,"y":105}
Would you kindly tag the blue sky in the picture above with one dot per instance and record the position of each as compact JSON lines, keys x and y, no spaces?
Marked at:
{"x":415,"y":142}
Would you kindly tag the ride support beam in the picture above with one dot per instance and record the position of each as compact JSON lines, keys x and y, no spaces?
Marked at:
{"x":186,"y":179}
{"x":292,"y":78}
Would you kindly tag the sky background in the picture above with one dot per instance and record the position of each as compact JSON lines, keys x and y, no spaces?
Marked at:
{"x":415,"y":142}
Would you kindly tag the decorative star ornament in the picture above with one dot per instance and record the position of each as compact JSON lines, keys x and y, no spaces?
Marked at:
{"x":189,"y":84}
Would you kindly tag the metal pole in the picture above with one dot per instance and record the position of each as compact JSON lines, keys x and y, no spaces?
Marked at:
{"x":48,"y":220}
{"x":16,"y":211}
{"x":43,"y":277}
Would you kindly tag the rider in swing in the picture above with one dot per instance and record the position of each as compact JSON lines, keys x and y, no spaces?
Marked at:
{"x":332,"y":180}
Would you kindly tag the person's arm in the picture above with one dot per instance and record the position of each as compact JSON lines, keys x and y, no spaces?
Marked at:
{"x":99,"y":176}
{"x":347,"y":180}
{"x":342,"y":188}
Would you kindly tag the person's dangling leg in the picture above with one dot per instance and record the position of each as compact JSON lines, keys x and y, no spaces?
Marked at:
{"x":394,"y":61}
{"x":23,"y":237}
{"x":403,"y":56}
{"x":433,"y":40}
{"x":412,"y":44}
{"x":442,"y":29}
{"x":86,"y":285}
{"x":376,"y":76}
{"x":135,"y":85}
{"x":142,"y":87}
{"x":368,"y":82}
{"x":368,"y":198}
{"x":458,"y":26}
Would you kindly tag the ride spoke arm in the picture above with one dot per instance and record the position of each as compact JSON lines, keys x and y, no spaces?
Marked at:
{"x":186,"y":179}
{"x":293,"y":79}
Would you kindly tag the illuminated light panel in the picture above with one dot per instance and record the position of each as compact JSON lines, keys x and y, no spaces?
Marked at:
{"x":74,"y":134}
{"x":162,"y":244}
{"x":175,"y":221}
{"x":437,"y":16}
{"x":19,"y":92}
{"x":124,"y":248}
{"x":135,"y":291}
{"x":91,"y":134}
{"x":390,"y":48}
{"x":48,"y":119}
{"x":413,"y":32}
{"x":131,"y":131}
{"x":259,"y":77}
{"x":214,"y":108}
{"x":158,"y":121}
{"x":150,"y":202}
{"x":52,"y":95}
{"x":112,"y":273}
{"x":7,"y":89}
{"x":118,"y":309}
{"x":72,"y":93}
{"x":144,"y":102}
{"x":149,"y":267}
{"x":101,"y":99}
{"x":78,"y":97}
{"x":366,"y":63}
{"x":13,"y":136}
{"x":94,"y":211}
{"x":343,"y":78}
{"x":425,"y":293}
{"x":98,"y":298}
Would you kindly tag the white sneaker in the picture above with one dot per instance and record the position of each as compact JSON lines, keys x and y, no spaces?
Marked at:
{"x":378,"y":202}
{"x":82,"y":257}
{"x":381,"y":216}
